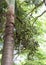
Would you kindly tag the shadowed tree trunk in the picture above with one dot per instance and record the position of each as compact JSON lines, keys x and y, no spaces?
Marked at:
{"x":7,"y":55}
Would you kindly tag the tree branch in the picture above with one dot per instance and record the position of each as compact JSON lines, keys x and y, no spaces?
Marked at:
{"x":39,"y":16}
{"x":30,"y":13}
{"x":19,"y":19}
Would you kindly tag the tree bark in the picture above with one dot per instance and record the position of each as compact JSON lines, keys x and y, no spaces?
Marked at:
{"x":7,"y":55}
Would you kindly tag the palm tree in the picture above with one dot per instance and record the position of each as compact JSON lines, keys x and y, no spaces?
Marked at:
{"x":7,"y":55}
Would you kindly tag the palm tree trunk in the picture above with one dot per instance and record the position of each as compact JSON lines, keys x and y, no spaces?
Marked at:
{"x":7,"y":55}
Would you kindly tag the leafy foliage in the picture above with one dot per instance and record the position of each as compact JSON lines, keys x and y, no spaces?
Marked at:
{"x":27,"y":28}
